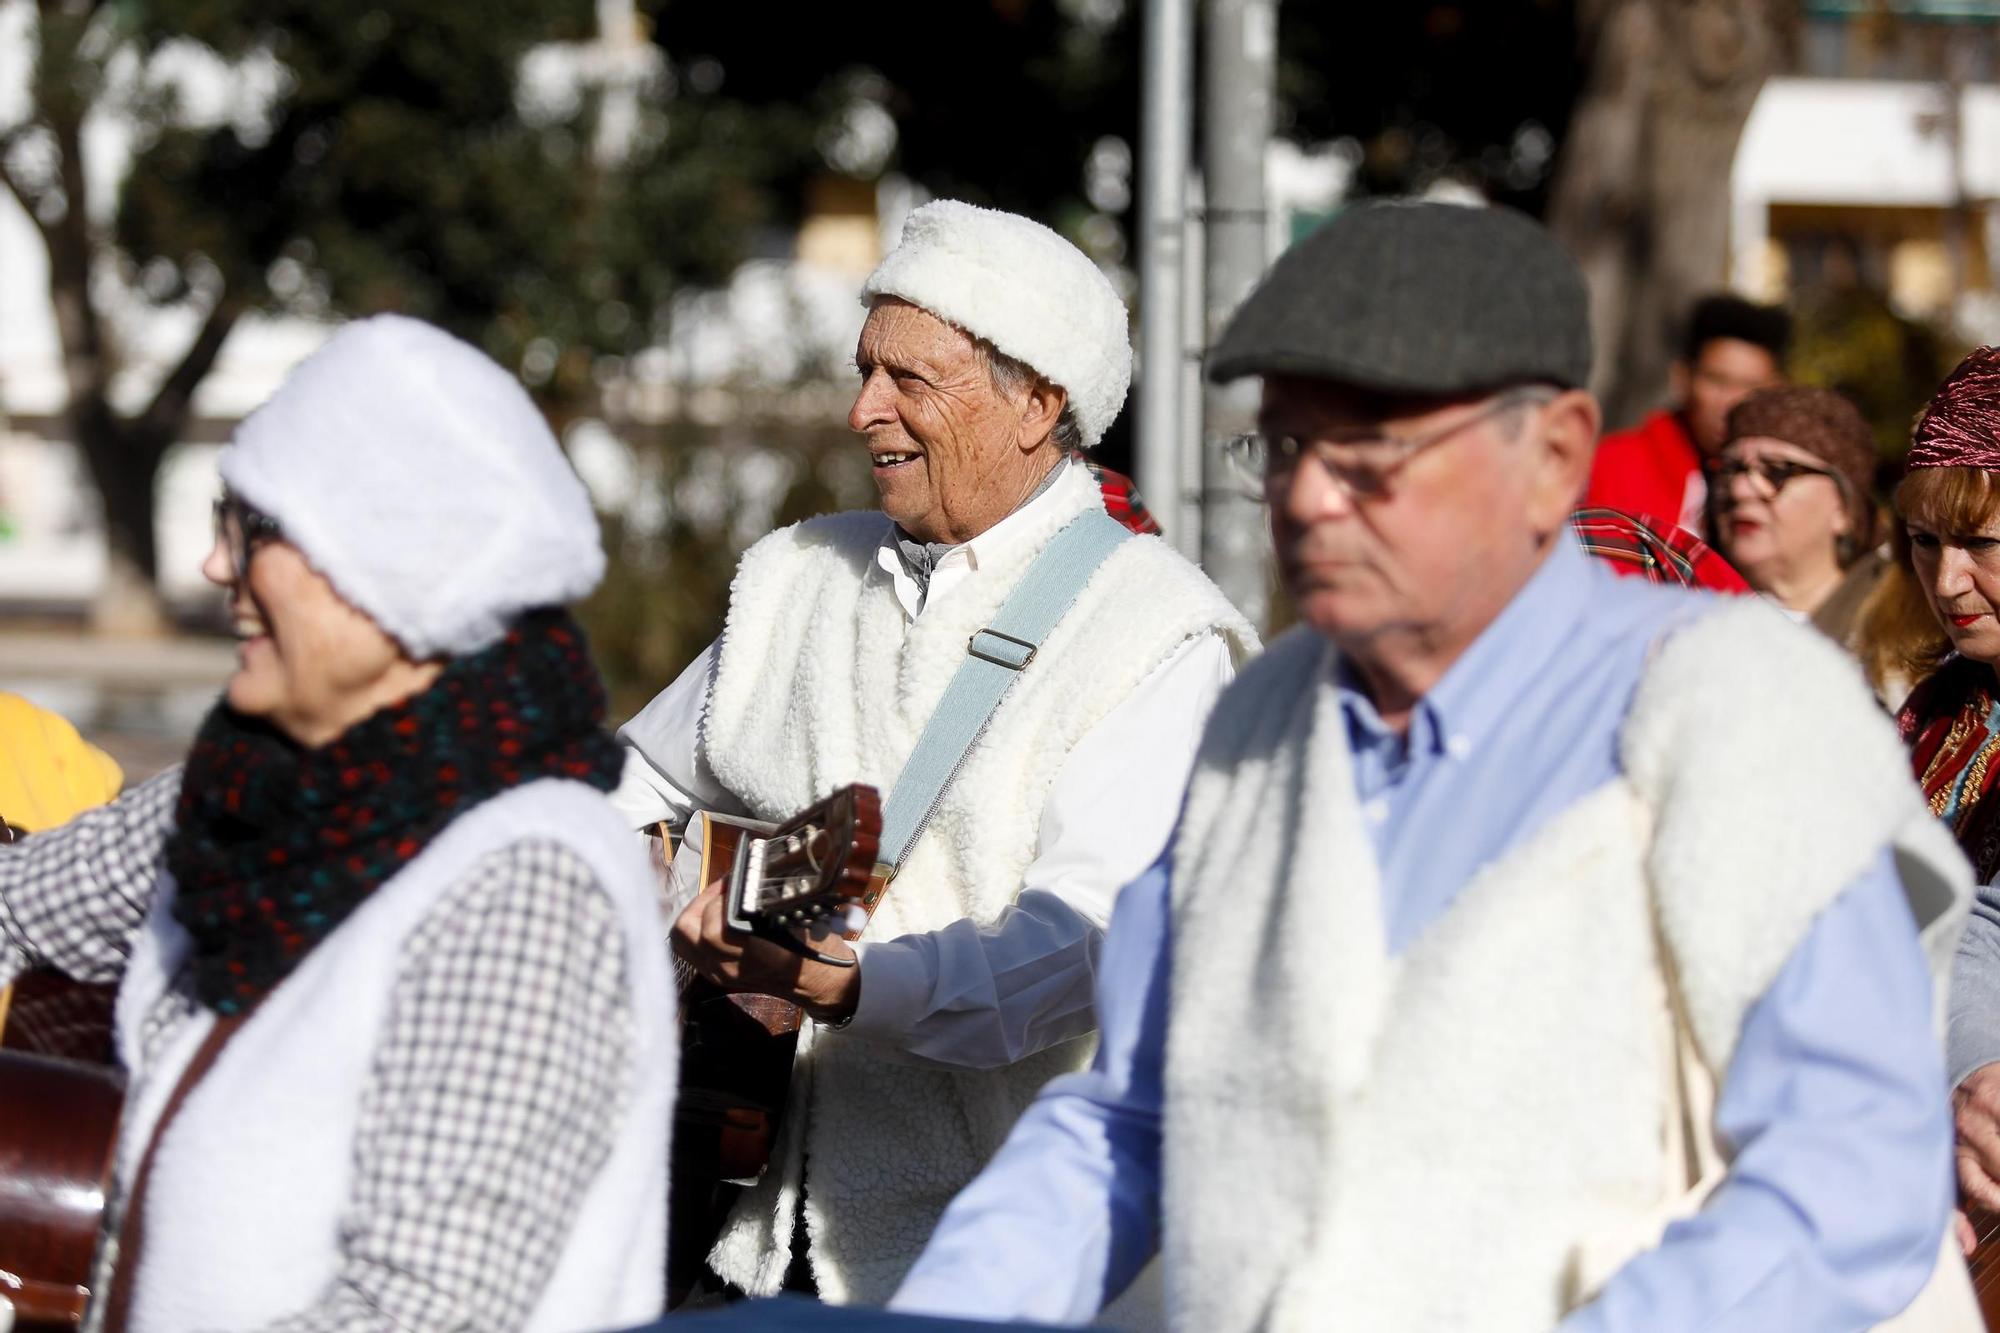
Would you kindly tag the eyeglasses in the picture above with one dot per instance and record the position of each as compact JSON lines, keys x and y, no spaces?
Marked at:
{"x":1771,"y":473}
{"x":242,"y":529}
{"x":1364,"y":463}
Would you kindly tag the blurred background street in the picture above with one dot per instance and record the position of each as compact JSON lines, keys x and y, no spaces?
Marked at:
{"x":660,"y":214}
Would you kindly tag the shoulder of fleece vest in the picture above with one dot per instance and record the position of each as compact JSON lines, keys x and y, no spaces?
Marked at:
{"x":1244,"y":712}
{"x":1147,"y":572}
{"x":853,"y":532}
{"x":1774,"y":780}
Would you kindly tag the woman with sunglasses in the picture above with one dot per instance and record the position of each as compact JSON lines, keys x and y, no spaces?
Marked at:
{"x":1789,"y":496}
{"x":394,"y":1008}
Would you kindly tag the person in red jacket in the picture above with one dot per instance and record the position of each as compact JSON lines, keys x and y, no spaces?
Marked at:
{"x":1733,"y":348}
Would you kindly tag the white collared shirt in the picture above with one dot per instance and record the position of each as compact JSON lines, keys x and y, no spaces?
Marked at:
{"x":980,"y":997}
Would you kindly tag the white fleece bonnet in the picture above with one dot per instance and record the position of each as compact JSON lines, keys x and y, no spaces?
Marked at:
{"x":1026,"y":290}
{"x":419,"y":478}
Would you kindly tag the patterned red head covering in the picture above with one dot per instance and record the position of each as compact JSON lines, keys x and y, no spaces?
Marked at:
{"x":1961,"y":426}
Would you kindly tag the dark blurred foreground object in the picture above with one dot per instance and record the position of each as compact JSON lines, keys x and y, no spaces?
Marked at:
{"x":61,"y":1119}
{"x":1985,"y":1264}
{"x":785,"y":1313}
{"x":59,"y":1098}
{"x":1654,"y":551}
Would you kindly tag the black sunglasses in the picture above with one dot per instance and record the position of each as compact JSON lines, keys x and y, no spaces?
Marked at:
{"x":242,"y":528}
{"x":1772,"y":472}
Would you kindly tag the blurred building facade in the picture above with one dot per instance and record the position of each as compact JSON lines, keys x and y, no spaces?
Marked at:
{"x":1875,"y":163}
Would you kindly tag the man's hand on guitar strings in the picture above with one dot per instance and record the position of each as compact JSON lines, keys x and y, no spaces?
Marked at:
{"x":738,"y":961}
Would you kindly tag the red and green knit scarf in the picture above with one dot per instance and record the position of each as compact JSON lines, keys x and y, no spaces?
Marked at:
{"x":275,"y":845}
{"x":1954,"y":753}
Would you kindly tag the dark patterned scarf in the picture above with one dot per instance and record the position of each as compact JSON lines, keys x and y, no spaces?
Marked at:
{"x":276,"y":844}
{"x":1945,"y":724}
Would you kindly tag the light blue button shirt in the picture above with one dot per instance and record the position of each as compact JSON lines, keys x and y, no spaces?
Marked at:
{"x":1837,"y":1198}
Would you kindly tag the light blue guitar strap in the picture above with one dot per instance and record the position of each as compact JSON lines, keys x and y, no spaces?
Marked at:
{"x":994,"y":658}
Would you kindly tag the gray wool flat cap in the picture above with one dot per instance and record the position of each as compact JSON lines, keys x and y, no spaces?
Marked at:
{"x":1422,"y":298}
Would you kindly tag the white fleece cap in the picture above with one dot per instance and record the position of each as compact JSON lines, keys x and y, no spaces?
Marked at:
{"x":1012,"y":281}
{"x":418,"y":477}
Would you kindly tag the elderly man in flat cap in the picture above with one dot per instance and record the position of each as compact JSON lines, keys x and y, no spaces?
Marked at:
{"x":992,"y":353}
{"x":1488,"y":875}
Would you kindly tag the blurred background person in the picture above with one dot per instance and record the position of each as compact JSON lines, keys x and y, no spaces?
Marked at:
{"x":1791,"y":505}
{"x":380,"y":939}
{"x":1732,"y":348}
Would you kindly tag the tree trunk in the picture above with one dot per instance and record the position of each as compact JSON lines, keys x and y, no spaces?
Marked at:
{"x":1641,"y":194}
{"x":122,"y":455}
{"x":124,"y":472}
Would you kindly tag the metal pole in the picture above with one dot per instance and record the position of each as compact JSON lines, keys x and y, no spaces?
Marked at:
{"x":1239,"y":71}
{"x":1194,"y":345}
{"x":1164,"y":137}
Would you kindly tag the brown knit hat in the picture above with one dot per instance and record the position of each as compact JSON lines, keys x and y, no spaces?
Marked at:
{"x":1823,"y":423}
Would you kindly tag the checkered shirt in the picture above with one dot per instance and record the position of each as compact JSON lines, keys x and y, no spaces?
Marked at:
{"x":491,"y":1104}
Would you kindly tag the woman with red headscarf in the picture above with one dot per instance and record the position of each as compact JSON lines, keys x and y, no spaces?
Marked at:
{"x":1949,"y":504}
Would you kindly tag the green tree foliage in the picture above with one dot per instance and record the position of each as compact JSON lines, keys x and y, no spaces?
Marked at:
{"x":393,"y":168}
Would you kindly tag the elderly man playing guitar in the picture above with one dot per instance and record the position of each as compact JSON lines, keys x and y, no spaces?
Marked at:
{"x":1536,"y":947}
{"x":1024,"y":682}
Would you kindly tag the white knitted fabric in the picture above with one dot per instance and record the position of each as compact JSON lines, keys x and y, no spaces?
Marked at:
{"x":821,"y":682}
{"x":1012,"y":281}
{"x":251,"y":1181}
{"x":419,"y":478}
{"x":1506,"y":1073}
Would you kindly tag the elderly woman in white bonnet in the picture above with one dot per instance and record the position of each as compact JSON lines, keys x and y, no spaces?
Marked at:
{"x":393,"y":1009}
{"x":993,"y":352}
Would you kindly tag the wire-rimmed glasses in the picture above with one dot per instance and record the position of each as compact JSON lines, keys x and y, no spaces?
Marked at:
{"x":1362,"y":463}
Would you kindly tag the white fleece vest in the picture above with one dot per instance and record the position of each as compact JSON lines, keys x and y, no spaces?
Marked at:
{"x":821,"y":683}
{"x":1434,"y":1141}
{"x":249,"y":1185}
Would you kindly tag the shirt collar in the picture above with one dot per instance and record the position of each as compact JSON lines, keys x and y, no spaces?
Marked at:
{"x":1475,"y":692}
{"x":969,"y":553}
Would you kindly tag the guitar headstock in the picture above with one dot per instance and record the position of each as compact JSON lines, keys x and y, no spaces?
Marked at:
{"x":813,"y":868}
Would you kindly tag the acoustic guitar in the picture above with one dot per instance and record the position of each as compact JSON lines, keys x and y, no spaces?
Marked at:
{"x":778,"y":882}
{"x":60,"y":1114}
{"x":1985,"y":1263}
{"x":60,"y":1102}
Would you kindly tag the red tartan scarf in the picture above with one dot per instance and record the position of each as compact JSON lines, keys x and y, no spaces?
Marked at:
{"x":1657,"y":552}
{"x":1121,"y":500}
{"x":1944,"y":723}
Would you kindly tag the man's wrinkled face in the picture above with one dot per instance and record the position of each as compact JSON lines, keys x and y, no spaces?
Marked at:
{"x":947,"y":447}
{"x":1446,"y":545}
{"x":1724,"y":372}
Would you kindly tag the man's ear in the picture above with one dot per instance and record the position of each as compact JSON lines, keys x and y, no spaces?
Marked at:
{"x":1680,"y":381}
{"x":1568,"y":442}
{"x":1040,"y":412}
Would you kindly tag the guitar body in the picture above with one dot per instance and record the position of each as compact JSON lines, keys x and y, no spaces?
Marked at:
{"x":1985,"y":1264}
{"x":60,"y":1118}
{"x":737,"y":1048}
{"x":736,"y":1054}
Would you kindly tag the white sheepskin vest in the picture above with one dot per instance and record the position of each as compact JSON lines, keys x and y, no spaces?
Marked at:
{"x":822,"y":682}
{"x":248,"y":1188}
{"x":1445,"y":1139}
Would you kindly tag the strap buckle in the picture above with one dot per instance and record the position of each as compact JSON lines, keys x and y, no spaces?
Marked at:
{"x":1002,"y":650}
